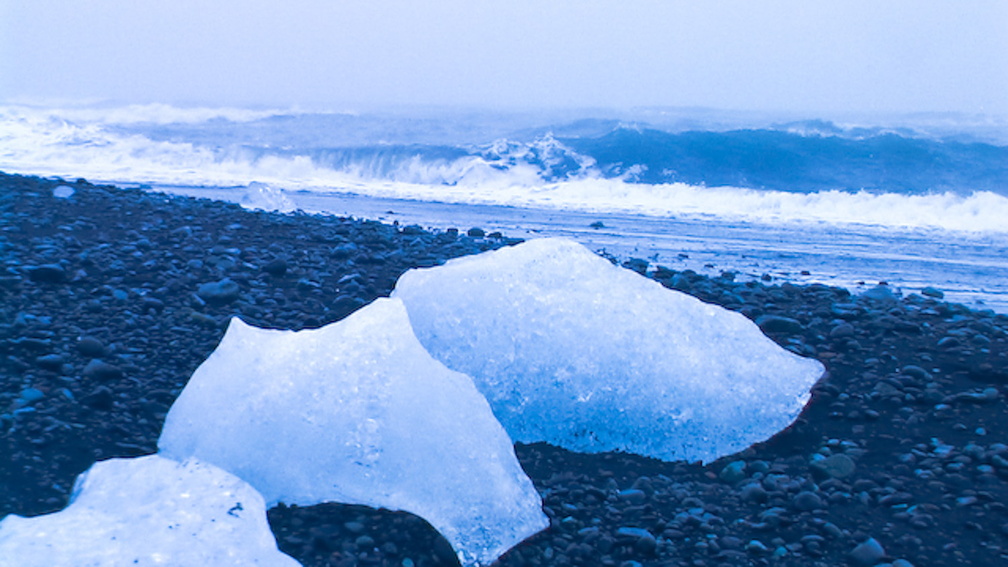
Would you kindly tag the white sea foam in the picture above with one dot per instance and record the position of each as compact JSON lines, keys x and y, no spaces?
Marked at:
{"x":979,"y":212}
{"x":74,"y":143}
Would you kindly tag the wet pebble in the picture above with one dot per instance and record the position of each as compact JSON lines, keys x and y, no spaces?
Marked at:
{"x":757,"y":547}
{"x":835,"y":466}
{"x":365,"y":541}
{"x":355,"y":527}
{"x":868,"y":552}
{"x":842,"y":331}
{"x":219,"y":292}
{"x":99,"y":398}
{"x":917,"y":372}
{"x":643,"y":540}
{"x":102,"y":370}
{"x":754,"y":493}
{"x":807,"y":501}
{"x":778,"y":324}
{"x":276,"y":267}
{"x":633,"y":496}
{"x":51,"y":361}
{"x":47,"y":273}
{"x":949,"y":342}
{"x":733,"y":472}
{"x":29,"y":396}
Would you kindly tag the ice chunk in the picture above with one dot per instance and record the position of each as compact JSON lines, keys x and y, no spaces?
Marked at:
{"x":148,"y":511}
{"x":63,"y":192}
{"x":266,"y":198}
{"x":574,"y":351}
{"x":357,"y":412}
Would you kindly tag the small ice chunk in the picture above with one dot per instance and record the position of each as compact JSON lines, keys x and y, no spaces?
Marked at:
{"x":266,"y":198}
{"x":574,"y":351}
{"x":148,"y":511}
{"x":357,"y":412}
{"x":63,"y":192}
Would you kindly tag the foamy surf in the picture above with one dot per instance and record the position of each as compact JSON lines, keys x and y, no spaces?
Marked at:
{"x":170,"y":146}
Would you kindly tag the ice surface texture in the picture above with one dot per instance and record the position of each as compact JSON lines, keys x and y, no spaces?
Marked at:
{"x":259,"y":196}
{"x":574,"y":351}
{"x":358,"y":412}
{"x":147,"y":511}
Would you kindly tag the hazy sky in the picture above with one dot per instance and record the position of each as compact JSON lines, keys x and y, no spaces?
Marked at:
{"x":802,"y":55}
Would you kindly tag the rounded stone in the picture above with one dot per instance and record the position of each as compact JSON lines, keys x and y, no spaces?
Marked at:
{"x":633,"y":496}
{"x":50,"y":361}
{"x":754,"y":493}
{"x":31,"y":395}
{"x":868,"y":552}
{"x":835,"y":466}
{"x":646,"y":544}
{"x":365,"y":542}
{"x":277,"y":267}
{"x":102,"y":370}
{"x":733,"y":472}
{"x":916,"y":372}
{"x":643,"y":540}
{"x":100,"y":398}
{"x":843,"y":330}
{"x":778,"y":324}
{"x":354,"y":527}
{"x":223,"y":291}
{"x":807,"y":501}
{"x":47,"y":273}
{"x":756,"y":546}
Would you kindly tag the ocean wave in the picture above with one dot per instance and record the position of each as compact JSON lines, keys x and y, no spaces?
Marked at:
{"x":630,"y":169}
{"x":786,"y":161}
{"x":51,"y":143}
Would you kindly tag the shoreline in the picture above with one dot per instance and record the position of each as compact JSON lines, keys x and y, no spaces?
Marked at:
{"x":101,"y":328}
{"x":852,"y":256}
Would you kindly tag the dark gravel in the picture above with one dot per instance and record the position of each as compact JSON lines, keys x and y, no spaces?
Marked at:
{"x":109,"y":300}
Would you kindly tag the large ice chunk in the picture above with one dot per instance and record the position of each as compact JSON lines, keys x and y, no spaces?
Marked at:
{"x":357,"y":412}
{"x":147,"y":511}
{"x":574,"y":351}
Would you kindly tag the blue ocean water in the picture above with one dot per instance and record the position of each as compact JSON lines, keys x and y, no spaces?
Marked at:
{"x":912,"y":200}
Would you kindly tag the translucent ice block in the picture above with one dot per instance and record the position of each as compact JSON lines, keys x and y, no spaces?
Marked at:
{"x":358,"y":412}
{"x":577,"y":352}
{"x":148,"y":511}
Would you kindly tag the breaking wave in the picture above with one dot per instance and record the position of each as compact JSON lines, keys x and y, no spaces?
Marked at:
{"x":813,"y":172}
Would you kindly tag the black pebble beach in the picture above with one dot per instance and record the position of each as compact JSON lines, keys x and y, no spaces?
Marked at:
{"x":110,"y":298}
